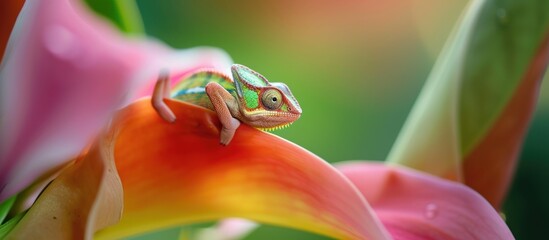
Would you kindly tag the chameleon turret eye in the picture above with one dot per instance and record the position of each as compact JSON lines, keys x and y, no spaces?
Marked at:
{"x":271,"y":99}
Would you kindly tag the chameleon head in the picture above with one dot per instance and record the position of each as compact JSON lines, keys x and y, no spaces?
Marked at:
{"x":263,"y":104}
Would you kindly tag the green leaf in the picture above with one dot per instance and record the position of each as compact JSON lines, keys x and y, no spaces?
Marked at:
{"x":5,"y":208}
{"x":122,"y":13}
{"x":268,"y":232}
{"x":429,"y":139}
{"x":10,"y":224}
{"x":504,"y":40}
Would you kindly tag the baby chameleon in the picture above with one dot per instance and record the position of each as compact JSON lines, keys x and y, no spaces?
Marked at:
{"x":247,"y":98}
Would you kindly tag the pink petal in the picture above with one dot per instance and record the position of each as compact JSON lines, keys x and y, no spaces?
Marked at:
{"x":64,"y":73}
{"x":414,"y":205}
{"x":228,"y":229}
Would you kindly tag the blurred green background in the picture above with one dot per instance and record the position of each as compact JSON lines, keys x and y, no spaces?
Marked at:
{"x":356,"y":67}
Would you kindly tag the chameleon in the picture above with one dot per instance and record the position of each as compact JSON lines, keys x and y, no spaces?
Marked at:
{"x":248,"y":98}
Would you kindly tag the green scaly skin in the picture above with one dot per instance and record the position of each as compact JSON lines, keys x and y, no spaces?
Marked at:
{"x":248,"y":97}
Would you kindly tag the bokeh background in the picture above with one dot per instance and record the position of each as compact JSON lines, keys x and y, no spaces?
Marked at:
{"x":356,"y":67}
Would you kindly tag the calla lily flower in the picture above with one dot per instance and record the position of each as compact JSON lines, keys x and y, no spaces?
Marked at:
{"x":265,"y":179}
{"x":143,"y":173}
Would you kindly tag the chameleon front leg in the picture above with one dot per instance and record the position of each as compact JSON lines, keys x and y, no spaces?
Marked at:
{"x":161,"y":91}
{"x":221,"y":100}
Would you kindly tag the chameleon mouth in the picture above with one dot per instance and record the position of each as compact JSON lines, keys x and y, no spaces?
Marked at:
{"x":281,"y":114}
{"x":270,"y":129}
{"x":269,"y":120}
{"x":280,"y":117}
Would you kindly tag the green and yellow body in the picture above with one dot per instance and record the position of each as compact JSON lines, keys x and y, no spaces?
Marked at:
{"x":247,"y":98}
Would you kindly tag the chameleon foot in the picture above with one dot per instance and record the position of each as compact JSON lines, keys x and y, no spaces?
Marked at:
{"x":162,"y":91}
{"x":220,"y":97}
{"x":227,"y":132}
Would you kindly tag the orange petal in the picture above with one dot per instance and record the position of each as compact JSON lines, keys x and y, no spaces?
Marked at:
{"x":86,"y":197}
{"x":8,"y":13}
{"x":178,"y":173}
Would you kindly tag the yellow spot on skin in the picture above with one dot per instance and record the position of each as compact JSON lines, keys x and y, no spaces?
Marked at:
{"x":275,"y":128}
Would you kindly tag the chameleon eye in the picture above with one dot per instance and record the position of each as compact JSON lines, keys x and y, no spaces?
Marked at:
{"x":271,"y":99}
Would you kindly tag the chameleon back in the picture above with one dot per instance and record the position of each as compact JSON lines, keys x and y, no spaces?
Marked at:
{"x":192,"y":88}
